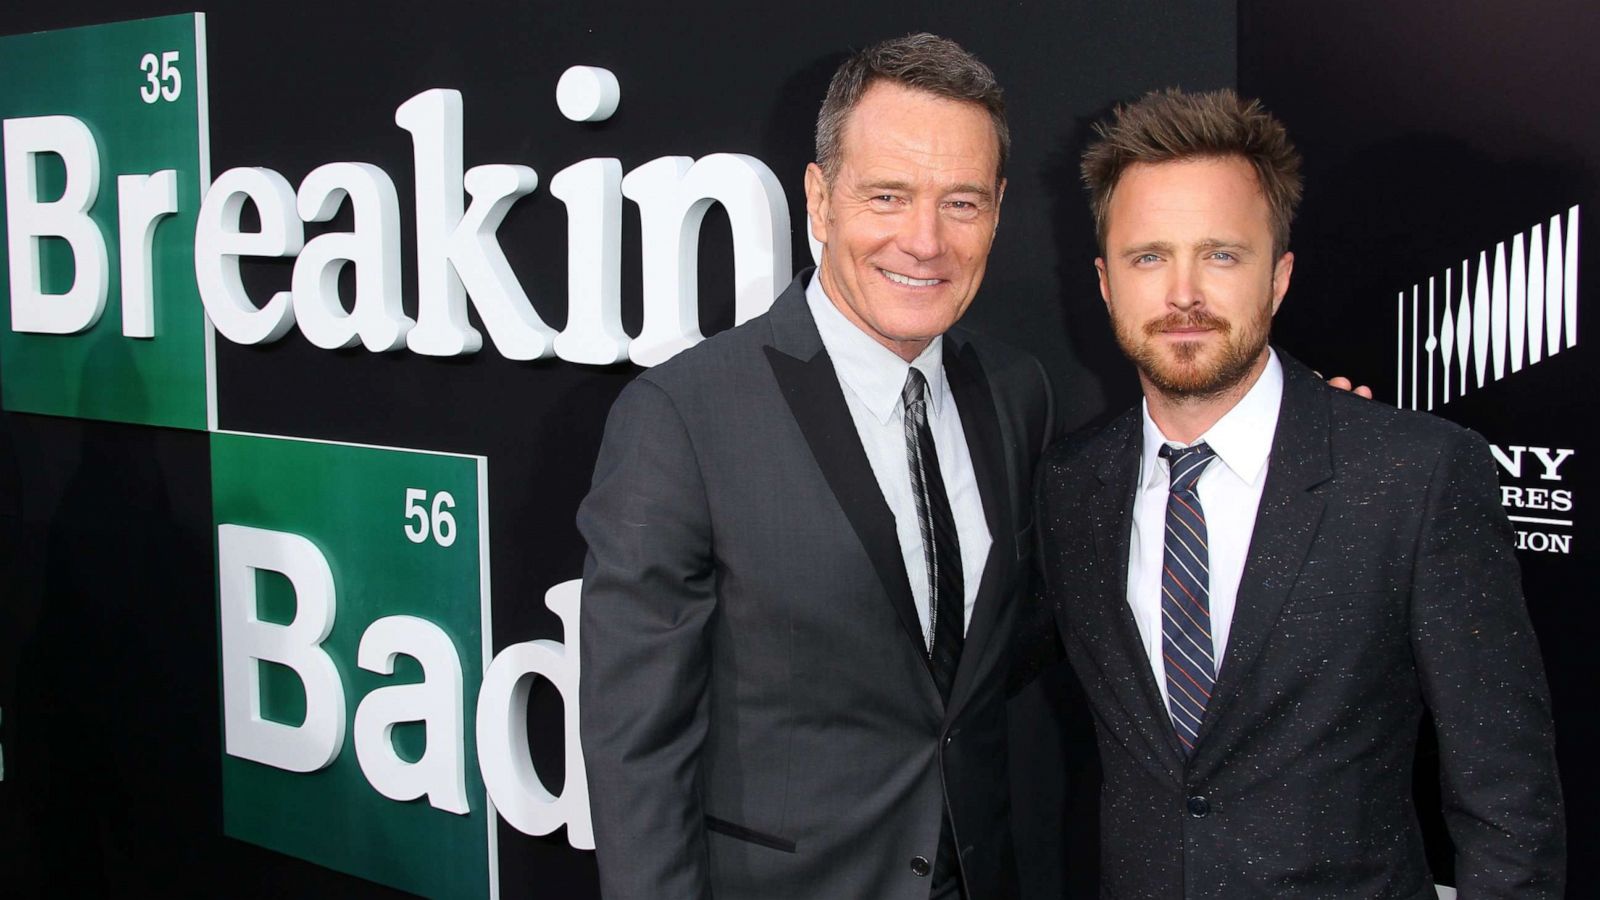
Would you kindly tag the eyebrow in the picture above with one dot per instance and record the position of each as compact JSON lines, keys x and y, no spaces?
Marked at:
{"x":1218,"y":244}
{"x":1170,"y":248}
{"x":1148,"y":247}
{"x":897,"y":185}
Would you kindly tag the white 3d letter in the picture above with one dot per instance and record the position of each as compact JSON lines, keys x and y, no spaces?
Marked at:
{"x":372,"y":244}
{"x":673,"y":194}
{"x":592,"y":192}
{"x":508,"y":772}
{"x":247,"y":642}
{"x":142,"y":201}
{"x":218,"y":244}
{"x":441,"y":773}
{"x":458,"y":255}
{"x":28,"y":219}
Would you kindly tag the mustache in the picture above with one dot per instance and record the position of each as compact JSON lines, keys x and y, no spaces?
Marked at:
{"x":1194,"y":319}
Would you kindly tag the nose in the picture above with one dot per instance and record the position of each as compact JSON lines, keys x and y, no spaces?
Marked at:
{"x":1185,"y":292}
{"x":921,"y":233}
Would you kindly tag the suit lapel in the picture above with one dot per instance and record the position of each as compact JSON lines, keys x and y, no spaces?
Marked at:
{"x":970,"y":388}
{"x":1115,"y":642}
{"x":1286,"y":524}
{"x":807,"y":381}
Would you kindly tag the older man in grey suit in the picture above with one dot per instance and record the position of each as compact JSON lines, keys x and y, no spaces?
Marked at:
{"x":807,"y":539}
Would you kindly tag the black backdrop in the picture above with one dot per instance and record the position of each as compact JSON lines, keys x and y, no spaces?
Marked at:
{"x":1432,"y":132}
{"x":109,"y":708}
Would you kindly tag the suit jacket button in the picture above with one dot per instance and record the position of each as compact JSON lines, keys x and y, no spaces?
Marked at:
{"x":920,"y":866}
{"x":1198,"y":807}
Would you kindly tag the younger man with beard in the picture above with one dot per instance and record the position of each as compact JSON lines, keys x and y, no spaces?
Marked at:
{"x":1263,"y":583}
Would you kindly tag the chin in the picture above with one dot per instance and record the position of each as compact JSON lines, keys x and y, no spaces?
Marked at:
{"x":917,"y":328}
{"x":1190,"y":371}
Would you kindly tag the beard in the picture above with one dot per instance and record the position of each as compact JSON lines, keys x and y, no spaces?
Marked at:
{"x":1198,"y":369}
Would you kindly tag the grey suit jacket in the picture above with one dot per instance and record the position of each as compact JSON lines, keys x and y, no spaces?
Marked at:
{"x":758,"y":718}
{"x":1380,"y":584}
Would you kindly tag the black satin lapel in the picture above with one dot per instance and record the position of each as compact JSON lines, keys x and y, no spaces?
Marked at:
{"x":1121,"y":654}
{"x":817,"y":402}
{"x":1286,"y":525}
{"x":970,"y":388}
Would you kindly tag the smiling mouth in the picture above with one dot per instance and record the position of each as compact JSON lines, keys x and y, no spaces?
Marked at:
{"x":908,"y":281}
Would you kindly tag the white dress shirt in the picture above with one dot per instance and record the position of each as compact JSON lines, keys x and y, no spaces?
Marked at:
{"x":872,"y":377}
{"x":1230,"y":492}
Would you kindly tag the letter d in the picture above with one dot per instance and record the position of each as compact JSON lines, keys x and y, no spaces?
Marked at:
{"x":508,"y":772}
{"x":247,"y":642}
{"x":28,"y":220}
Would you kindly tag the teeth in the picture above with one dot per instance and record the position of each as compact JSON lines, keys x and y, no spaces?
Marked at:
{"x":897,"y":278}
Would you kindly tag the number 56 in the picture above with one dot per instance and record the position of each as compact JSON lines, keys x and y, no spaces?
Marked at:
{"x":443,"y":524}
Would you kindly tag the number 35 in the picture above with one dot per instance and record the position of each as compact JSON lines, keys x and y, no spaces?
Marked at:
{"x":163,"y":81}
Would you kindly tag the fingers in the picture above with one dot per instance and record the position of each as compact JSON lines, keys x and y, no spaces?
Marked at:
{"x":1343,"y":384}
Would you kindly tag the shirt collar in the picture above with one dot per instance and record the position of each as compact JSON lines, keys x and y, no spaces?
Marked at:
{"x":1242,"y":438}
{"x":868,"y":369}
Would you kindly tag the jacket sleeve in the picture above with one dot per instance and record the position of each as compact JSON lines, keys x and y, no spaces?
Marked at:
{"x":1483,"y":679}
{"x":648,"y":596}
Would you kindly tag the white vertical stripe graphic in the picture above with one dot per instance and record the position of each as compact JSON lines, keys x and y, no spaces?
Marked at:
{"x":1498,"y":311}
{"x":1463,"y":329}
{"x":1519,"y":303}
{"x":1414,"y":347}
{"x":1480,"y":320}
{"x":1552,"y":290}
{"x":1508,"y":315}
{"x":1447,"y":336}
{"x":1536,"y":294}
{"x":1570,"y":297}
{"x":1431,"y":344}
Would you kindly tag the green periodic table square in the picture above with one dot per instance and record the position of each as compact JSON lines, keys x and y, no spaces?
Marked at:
{"x":403,"y":534}
{"x":140,"y":90}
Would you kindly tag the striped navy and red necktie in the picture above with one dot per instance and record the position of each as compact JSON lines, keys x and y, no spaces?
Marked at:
{"x":1186,"y":642}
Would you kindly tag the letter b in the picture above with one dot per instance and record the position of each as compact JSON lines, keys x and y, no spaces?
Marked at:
{"x":247,"y":642}
{"x":28,"y":220}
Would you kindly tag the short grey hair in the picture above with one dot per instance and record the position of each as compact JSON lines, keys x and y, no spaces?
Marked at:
{"x":923,"y":62}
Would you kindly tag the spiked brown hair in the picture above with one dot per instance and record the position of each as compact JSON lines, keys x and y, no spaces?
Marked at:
{"x":1171,"y":125}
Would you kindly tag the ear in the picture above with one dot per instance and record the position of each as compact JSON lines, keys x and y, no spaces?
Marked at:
{"x":1280,"y":279}
{"x":999,"y":197}
{"x":817,"y":202}
{"x":1105,"y":286}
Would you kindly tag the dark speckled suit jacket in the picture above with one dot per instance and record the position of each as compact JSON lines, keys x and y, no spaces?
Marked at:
{"x":1380,"y":583}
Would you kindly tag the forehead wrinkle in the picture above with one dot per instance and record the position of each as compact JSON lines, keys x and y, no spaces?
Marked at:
{"x":901,"y":184}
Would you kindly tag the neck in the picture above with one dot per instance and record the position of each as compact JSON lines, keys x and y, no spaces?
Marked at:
{"x":1184,"y":417}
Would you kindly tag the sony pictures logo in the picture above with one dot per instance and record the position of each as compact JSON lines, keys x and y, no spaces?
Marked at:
{"x":1480,"y":323}
{"x":1538,"y":501}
